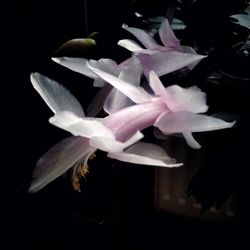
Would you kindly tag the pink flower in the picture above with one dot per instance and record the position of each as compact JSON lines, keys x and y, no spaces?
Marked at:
{"x":162,"y":59}
{"x":90,"y":134}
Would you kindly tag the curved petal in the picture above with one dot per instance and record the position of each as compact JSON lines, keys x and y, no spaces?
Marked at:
{"x":116,"y":101}
{"x":127,"y":121}
{"x":145,"y":154}
{"x":132,"y":75}
{"x":99,"y":100}
{"x":106,"y":65}
{"x":133,"y":46}
{"x":156,"y":84}
{"x":167,"y":35}
{"x":182,"y":122}
{"x":136,"y":94}
{"x":145,"y":38}
{"x":58,"y":160}
{"x":86,"y":127}
{"x":78,"y":65}
{"x":132,"y":72}
{"x":108,"y":145}
{"x":57,"y":97}
{"x":185,"y":99}
{"x":191,"y":141}
{"x":165,"y":62}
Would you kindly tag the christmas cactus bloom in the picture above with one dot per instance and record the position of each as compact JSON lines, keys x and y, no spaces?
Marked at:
{"x":172,"y":109}
{"x":162,"y":59}
{"x":117,"y":134}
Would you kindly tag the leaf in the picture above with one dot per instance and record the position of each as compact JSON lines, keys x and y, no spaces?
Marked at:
{"x":75,"y":47}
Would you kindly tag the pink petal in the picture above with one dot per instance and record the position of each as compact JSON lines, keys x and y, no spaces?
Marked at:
{"x":145,"y":38}
{"x":136,"y":94}
{"x":182,"y":122}
{"x":57,"y":97}
{"x":164,"y":62}
{"x":185,"y":99}
{"x":58,"y":160}
{"x":87,"y":127}
{"x":145,"y":154}
{"x":106,"y":144}
{"x":156,"y":84}
{"x":167,"y":35}
{"x":127,"y":121}
{"x":78,"y":65}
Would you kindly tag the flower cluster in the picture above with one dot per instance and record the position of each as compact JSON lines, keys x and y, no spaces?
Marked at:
{"x":130,"y":108}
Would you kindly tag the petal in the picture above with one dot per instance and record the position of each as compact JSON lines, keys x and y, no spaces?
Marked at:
{"x":185,"y":99}
{"x":116,"y":101}
{"x":190,"y":50}
{"x":108,"y":145}
{"x":132,"y":72}
{"x":167,"y":35}
{"x":133,"y":46}
{"x":145,"y":154}
{"x":145,"y":38}
{"x":86,"y":127}
{"x":136,"y":94}
{"x":182,"y":122}
{"x":78,"y":65}
{"x":106,"y":65}
{"x":58,"y":160}
{"x":156,"y":84}
{"x":127,"y":121}
{"x":57,"y":97}
{"x":98,"y":102}
{"x":132,"y":75}
{"x":164,"y":62}
{"x":191,"y":141}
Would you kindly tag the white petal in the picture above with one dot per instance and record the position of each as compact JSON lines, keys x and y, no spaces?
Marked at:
{"x":107,"y":65}
{"x":133,"y":46}
{"x":145,"y":154}
{"x":185,"y":99}
{"x":156,"y":84}
{"x":145,"y":38}
{"x":57,"y":97}
{"x":191,"y":141}
{"x":116,"y":101}
{"x":167,"y":35}
{"x":78,"y":65}
{"x":58,"y":160}
{"x":86,"y":127}
{"x":108,"y":145}
{"x":136,"y":94}
{"x":182,"y":122}
{"x":131,"y":74}
{"x":164,"y":62}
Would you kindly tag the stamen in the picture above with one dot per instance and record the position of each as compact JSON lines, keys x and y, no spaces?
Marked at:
{"x":80,"y":170}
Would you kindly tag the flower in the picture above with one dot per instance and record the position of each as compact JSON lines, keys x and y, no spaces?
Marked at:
{"x":162,"y":59}
{"x":90,"y":134}
{"x":172,"y":109}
